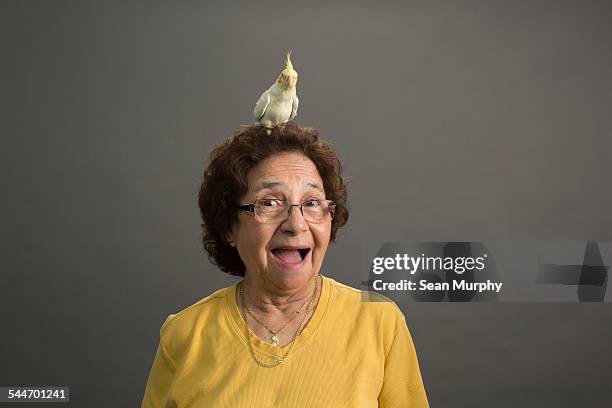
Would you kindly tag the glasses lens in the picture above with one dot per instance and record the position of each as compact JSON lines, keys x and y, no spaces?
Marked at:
{"x":269,"y":210}
{"x":318,"y":211}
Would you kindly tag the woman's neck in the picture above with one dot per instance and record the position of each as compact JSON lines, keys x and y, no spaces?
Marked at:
{"x":274,"y":302}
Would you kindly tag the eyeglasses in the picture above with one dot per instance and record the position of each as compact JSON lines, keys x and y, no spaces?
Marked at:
{"x":275,"y":210}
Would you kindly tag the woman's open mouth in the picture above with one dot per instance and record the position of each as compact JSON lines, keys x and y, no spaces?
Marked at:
{"x":291,"y":257}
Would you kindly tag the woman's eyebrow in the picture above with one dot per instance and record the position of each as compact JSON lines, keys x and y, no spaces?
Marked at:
{"x":315,"y":186}
{"x":272,"y":184}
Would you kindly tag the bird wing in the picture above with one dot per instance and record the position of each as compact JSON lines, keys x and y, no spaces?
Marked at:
{"x":262,"y":104}
{"x":294,"y":107}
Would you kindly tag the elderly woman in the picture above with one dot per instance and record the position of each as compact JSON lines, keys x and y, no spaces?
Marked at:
{"x":285,"y":335}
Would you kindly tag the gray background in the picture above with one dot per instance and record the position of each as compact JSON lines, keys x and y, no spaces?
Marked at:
{"x":456,"y":120}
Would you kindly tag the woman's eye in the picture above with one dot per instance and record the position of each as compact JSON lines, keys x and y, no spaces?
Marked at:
{"x":311,"y":203}
{"x":270,"y":203}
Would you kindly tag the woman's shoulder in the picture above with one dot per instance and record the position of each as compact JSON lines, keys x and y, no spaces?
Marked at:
{"x":350,"y":298}
{"x":368,"y":313}
{"x":202,"y":310}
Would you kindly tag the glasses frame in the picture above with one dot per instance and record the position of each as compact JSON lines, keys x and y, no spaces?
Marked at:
{"x":250,"y":208}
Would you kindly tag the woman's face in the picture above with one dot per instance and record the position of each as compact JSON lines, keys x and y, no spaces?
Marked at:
{"x":269,"y":250}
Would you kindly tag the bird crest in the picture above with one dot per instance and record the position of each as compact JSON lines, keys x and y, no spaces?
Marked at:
{"x":289,"y":66}
{"x":288,"y":63}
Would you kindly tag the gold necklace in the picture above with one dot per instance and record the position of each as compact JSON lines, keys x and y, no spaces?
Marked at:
{"x":299,"y":331}
{"x":274,"y":337}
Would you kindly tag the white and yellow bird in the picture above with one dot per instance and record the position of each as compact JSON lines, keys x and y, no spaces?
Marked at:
{"x":279,"y":104}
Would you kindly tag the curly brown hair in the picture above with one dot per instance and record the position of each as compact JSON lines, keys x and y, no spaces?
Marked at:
{"x":225,"y":182}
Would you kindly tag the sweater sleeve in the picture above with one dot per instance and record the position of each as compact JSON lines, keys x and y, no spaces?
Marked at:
{"x":160,"y":377}
{"x":402,"y":382}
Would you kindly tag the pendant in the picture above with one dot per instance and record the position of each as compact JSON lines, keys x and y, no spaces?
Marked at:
{"x":275,"y":340}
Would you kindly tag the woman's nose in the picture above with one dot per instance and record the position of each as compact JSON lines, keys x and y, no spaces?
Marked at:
{"x":295,"y":222}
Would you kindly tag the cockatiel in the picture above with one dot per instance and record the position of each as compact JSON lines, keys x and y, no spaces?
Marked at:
{"x":279,"y":104}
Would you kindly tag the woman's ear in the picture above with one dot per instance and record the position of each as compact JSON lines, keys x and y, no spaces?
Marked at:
{"x":230,"y":239}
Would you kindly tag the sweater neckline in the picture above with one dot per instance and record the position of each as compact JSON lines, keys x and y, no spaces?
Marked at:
{"x":240,"y":326}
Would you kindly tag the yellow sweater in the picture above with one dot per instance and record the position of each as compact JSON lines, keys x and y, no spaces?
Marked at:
{"x":352,"y":353}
